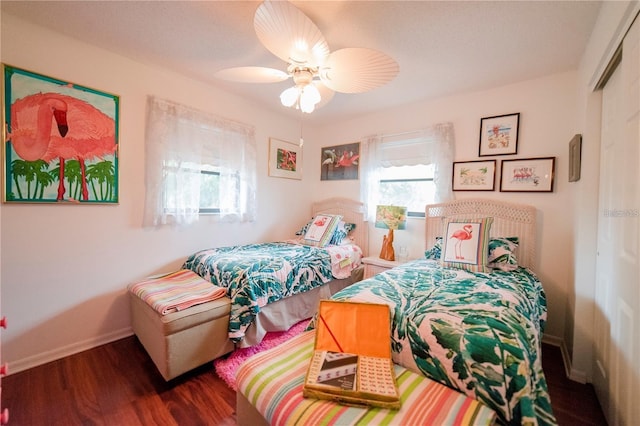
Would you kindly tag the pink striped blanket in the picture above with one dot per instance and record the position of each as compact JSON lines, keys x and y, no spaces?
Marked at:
{"x":176,"y":291}
{"x":272,"y":382}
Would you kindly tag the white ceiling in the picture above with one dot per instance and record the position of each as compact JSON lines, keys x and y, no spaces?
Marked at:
{"x":442,"y":47}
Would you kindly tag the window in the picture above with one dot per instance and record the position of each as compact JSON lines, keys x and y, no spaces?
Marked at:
{"x":409,"y":186}
{"x":209,"y":200}
{"x":197,"y":163}
{"x":412,"y":169}
{"x":209,"y":191}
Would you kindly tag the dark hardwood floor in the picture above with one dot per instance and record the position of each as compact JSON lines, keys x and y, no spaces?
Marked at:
{"x":573,"y":403}
{"x":117,"y":384}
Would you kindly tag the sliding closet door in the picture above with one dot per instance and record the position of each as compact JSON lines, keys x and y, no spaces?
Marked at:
{"x":617,"y":322}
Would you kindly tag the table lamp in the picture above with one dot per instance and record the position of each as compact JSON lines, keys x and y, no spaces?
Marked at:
{"x":391,"y":218}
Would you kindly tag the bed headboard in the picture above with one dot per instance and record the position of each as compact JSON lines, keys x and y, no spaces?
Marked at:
{"x":509,"y":220}
{"x":352,"y":211}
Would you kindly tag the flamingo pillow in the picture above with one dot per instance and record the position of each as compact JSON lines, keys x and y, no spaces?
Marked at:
{"x":465,"y":243}
{"x":321,"y":230}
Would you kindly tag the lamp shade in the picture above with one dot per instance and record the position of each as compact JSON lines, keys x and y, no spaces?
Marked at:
{"x":391,"y":217}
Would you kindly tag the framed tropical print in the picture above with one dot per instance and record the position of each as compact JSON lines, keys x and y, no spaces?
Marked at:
{"x":285,"y":159}
{"x":60,"y":141}
{"x":527,"y":175}
{"x":499,"y":135}
{"x":474,"y":175}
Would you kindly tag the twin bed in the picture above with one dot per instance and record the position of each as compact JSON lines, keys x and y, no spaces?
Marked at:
{"x":461,"y":333}
{"x":273,"y":286}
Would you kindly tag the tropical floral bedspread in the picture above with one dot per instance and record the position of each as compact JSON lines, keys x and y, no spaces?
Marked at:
{"x":258,"y":274}
{"x":478,"y":333}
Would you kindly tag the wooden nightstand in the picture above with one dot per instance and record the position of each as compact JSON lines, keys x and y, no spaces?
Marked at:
{"x":375,"y":265}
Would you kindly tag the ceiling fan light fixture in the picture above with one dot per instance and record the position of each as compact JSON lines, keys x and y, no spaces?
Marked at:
{"x":303,"y":97}
{"x":317,"y":73}
{"x":310,"y":94}
{"x":289,"y":97}
{"x":306,"y":103}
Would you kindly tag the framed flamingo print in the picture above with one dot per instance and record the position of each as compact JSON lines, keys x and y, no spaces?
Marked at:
{"x":285,"y":159}
{"x":340,"y":162}
{"x":60,"y":141}
{"x":527,"y":175}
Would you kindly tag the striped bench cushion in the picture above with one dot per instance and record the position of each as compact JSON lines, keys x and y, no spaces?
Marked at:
{"x":272,"y":382}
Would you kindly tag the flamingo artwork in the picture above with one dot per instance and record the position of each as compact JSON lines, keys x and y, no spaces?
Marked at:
{"x":461,"y":235}
{"x":340,"y":162}
{"x":46,"y":126}
{"x":321,"y":221}
{"x":348,"y":159}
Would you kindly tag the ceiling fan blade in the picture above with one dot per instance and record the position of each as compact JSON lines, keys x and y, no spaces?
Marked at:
{"x":289,"y":34}
{"x":326,"y":94}
{"x":252,"y":75}
{"x":357,"y":70}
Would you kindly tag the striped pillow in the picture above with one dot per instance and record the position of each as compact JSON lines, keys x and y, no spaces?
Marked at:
{"x":465,"y":244}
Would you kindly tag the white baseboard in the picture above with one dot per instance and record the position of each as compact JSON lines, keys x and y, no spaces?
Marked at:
{"x":573,"y":374}
{"x":45,"y":357}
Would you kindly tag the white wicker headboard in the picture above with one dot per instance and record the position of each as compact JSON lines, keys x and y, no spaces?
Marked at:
{"x":352,"y":211}
{"x":509,"y":220}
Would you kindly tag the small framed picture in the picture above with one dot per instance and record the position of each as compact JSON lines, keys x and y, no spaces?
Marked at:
{"x":499,"y":135}
{"x":474,"y":175}
{"x":285,"y":159}
{"x":575,"y":154}
{"x":527,"y":175}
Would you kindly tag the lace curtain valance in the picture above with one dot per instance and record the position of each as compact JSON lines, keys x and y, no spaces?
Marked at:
{"x":180,"y":140}
{"x":432,"y":145}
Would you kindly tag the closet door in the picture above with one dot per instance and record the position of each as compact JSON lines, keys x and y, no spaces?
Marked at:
{"x":617,"y":322}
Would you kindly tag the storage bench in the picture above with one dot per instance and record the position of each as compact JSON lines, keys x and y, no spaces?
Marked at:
{"x":183,"y":340}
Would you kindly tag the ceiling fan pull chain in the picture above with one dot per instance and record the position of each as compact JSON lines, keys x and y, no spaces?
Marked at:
{"x":301,"y":140}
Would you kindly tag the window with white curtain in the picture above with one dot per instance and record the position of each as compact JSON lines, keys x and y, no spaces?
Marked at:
{"x":410,"y":169}
{"x":196,"y":163}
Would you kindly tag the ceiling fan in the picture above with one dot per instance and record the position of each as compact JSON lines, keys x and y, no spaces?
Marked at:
{"x":316,"y":71}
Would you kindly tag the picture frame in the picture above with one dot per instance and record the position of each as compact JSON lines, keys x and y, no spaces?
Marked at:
{"x":340,"y":162}
{"x":66,"y":151}
{"x":474,"y":175}
{"x":285,"y":159}
{"x":575,"y":158}
{"x":527,"y":175}
{"x":499,"y":135}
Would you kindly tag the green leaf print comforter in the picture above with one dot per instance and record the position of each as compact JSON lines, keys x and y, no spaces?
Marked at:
{"x":478,"y":333}
{"x":257,"y":274}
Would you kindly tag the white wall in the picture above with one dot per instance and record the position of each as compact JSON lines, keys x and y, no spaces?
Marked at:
{"x":65,"y":267}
